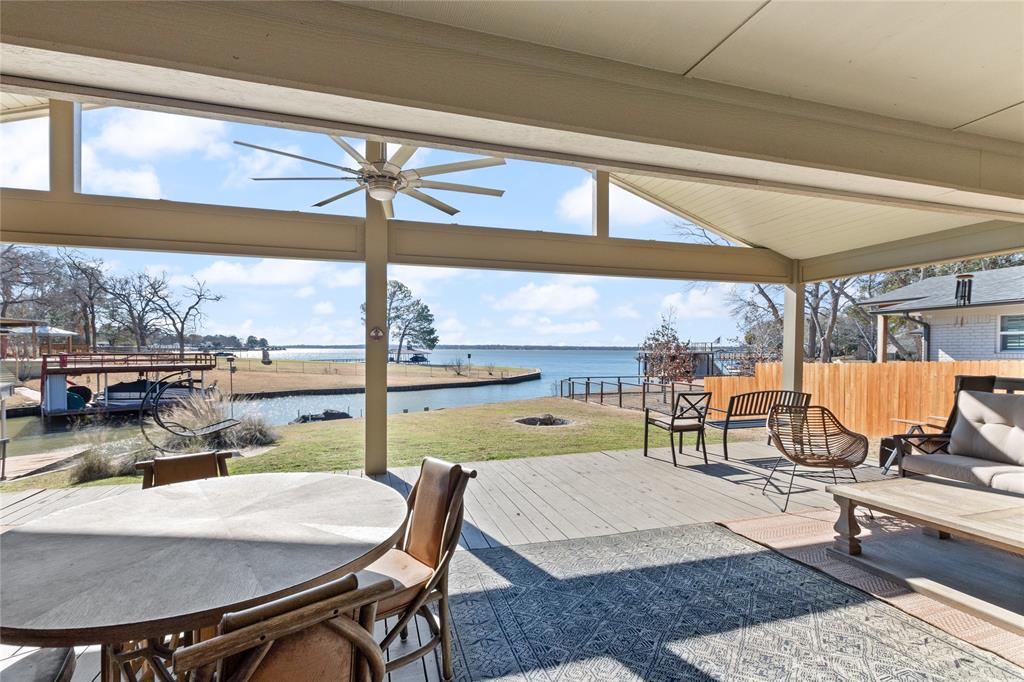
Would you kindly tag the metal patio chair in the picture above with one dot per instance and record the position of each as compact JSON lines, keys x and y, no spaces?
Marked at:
{"x":688,"y":416}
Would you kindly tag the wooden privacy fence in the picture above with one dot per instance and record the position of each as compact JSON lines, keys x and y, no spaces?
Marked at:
{"x":868,"y":396}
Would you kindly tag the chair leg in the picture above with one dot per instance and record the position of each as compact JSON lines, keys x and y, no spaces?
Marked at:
{"x":404,"y":634}
{"x":769,"y":479}
{"x":647,"y":428}
{"x":835,"y":479}
{"x":725,"y":443}
{"x":703,"y":444}
{"x":789,"y":492}
{"x":672,"y":446}
{"x":446,"y":636}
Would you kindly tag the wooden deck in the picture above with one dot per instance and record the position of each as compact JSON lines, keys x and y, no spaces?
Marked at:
{"x":542,"y":499}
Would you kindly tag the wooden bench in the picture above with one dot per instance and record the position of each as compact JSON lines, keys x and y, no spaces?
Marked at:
{"x":750,"y":411}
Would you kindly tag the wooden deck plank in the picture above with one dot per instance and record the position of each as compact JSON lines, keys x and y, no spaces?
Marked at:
{"x":8,"y":499}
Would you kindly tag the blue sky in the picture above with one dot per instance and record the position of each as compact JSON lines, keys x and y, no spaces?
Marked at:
{"x":162,"y":156}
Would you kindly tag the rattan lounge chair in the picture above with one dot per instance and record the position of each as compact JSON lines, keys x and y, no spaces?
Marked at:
{"x":811,"y":436}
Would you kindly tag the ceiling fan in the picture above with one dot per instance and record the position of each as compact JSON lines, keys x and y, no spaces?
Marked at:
{"x":384,"y":178}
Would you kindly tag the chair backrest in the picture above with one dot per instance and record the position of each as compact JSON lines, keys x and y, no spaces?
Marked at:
{"x":181,"y":468}
{"x":436,"y":510}
{"x":325,"y":633}
{"x":758,"y":403}
{"x":692,"y":405}
{"x":966,"y":382}
{"x":812,"y":432}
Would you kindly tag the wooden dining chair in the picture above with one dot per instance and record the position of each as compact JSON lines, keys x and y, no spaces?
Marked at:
{"x":42,"y":665}
{"x":419,"y":564}
{"x":181,"y":468}
{"x":324,"y":634}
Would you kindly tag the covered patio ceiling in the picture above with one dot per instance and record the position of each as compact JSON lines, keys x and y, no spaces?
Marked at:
{"x":841,"y":137}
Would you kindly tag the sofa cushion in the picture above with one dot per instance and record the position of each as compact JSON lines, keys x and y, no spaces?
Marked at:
{"x":1011,"y":483}
{"x":989,"y":426}
{"x":959,"y":468}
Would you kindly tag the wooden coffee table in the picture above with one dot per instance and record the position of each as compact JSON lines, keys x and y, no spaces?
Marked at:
{"x":949,"y":507}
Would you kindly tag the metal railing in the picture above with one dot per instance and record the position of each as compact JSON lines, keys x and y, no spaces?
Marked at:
{"x":636,"y":392}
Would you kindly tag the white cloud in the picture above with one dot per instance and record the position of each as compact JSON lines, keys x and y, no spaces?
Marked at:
{"x":703,"y":303}
{"x":625,"y":312}
{"x":451,"y":330}
{"x":558,"y":297}
{"x":24,"y":162}
{"x":546,"y":327}
{"x":98,"y":178}
{"x":421,"y":279}
{"x":137,"y":134}
{"x":323,"y":308}
{"x":259,"y":164}
{"x":278,"y":272}
{"x":347,"y":277}
{"x":624,"y":208}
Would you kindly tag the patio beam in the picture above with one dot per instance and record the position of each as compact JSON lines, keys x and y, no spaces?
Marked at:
{"x":420,"y":243}
{"x":602,"y":204}
{"x":376,"y":235}
{"x":351,"y":64}
{"x":988,"y":238}
{"x":793,"y":323}
{"x":65,"y":147}
{"x":90,"y":221}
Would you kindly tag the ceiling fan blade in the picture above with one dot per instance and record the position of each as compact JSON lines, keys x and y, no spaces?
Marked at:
{"x":455,"y":187}
{"x":350,"y":150}
{"x":486,"y":162}
{"x":430,"y":201}
{"x":331,"y":177}
{"x":389,"y":209}
{"x":296,"y":156}
{"x":328,"y":200}
{"x":402,"y":156}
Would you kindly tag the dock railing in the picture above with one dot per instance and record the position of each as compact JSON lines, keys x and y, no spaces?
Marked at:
{"x":635,"y":392}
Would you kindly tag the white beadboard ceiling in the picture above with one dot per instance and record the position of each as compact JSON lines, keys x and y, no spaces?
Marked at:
{"x":794,"y":225}
{"x":953,"y":65}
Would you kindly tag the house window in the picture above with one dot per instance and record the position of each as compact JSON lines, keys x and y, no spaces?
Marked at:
{"x":1011,"y":333}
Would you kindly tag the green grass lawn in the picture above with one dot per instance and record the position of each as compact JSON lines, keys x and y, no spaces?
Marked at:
{"x":465,"y":434}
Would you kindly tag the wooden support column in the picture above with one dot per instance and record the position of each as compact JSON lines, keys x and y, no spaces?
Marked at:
{"x":601,"y":204}
{"x":376,"y":236}
{"x":882,"y":338}
{"x":793,"y":337}
{"x":65,"y":147}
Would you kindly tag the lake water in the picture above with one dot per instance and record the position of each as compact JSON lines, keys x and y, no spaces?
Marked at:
{"x":554,"y":365}
{"x":29,"y":435}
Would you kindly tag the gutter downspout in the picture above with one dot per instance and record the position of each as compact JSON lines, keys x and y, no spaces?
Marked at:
{"x":926,"y":336}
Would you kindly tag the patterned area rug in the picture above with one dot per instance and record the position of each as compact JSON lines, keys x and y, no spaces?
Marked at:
{"x":806,"y":536}
{"x":687,"y":603}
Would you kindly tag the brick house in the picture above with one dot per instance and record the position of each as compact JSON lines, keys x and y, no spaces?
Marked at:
{"x":976,"y":316}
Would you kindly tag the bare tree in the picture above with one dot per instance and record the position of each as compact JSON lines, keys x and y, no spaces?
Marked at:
{"x":26,"y":276}
{"x":183,"y":314}
{"x":86,"y":286}
{"x":134,"y":304}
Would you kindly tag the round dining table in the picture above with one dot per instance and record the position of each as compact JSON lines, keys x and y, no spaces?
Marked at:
{"x":176,"y":558}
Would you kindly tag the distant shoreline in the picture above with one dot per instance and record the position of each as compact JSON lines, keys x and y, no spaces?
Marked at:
{"x":445,"y":346}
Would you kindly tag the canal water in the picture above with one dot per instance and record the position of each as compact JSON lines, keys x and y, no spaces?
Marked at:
{"x":29,"y":435}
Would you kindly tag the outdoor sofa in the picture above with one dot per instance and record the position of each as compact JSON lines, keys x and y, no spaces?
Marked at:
{"x":986,"y":446}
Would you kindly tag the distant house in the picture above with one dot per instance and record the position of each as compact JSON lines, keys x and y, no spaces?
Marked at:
{"x":976,"y":316}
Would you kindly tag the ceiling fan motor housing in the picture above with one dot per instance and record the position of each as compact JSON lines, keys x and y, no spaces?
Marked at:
{"x":382,"y":187}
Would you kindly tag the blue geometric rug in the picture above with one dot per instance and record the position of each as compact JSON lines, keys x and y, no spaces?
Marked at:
{"x":692,"y":602}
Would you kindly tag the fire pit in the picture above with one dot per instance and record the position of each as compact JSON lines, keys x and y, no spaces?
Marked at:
{"x":546,"y":420}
